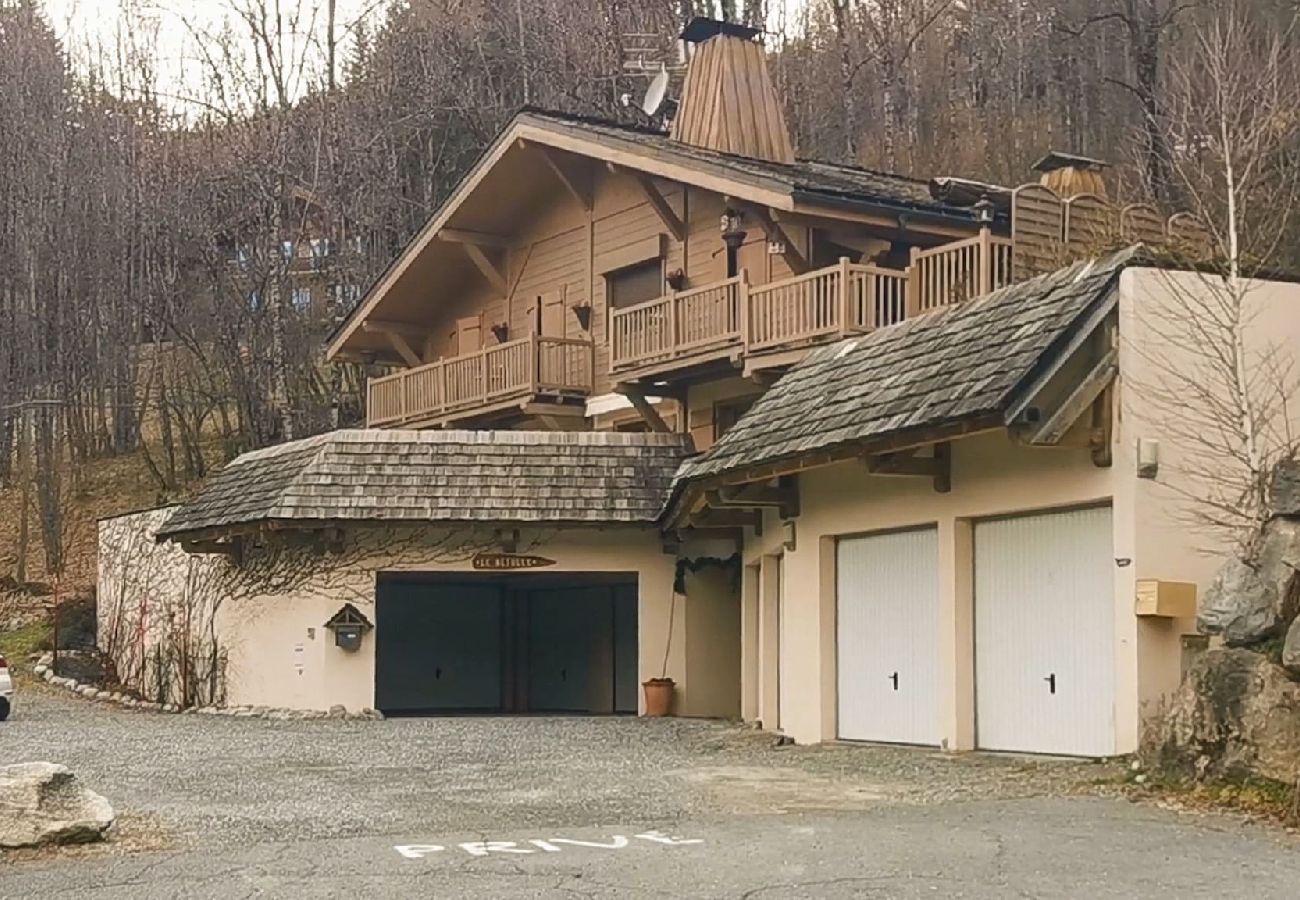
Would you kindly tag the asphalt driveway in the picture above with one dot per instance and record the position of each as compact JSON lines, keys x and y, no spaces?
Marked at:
{"x":490,"y":807}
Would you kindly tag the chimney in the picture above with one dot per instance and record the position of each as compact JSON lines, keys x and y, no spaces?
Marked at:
{"x":729,"y":103}
{"x":1069,"y":174}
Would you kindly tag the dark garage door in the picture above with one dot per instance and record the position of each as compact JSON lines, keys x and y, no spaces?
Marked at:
{"x":506,"y":643}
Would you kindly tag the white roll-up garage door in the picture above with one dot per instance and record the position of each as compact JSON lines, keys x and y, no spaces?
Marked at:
{"x":887,"y":630}
{"x":1044,"y":633}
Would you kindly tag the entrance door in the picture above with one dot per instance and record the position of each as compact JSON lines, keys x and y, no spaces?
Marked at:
{"x":887,"y":637}
{"x":438,"y":647}
{"x":1044,"y":633}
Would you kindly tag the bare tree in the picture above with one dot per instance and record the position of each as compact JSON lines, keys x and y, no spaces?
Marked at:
{"x":1224,"y":386}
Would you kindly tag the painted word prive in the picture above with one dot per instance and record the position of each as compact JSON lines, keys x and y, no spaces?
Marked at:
{"x":538,"y":845}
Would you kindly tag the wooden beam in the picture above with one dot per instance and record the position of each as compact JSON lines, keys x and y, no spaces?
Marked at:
{"x":233,"y":548}
{"x":381,"y":326}
{"x":1080,"y":399}
{"x":783,"y":497}
{"x":722,"y":518}
{"x":485,"y":265}
{"x":571,"y":183}
{"x":646,"y":410}
{"x":774,"y":232}
{"x":478,"y":238}
{"x":409,"y":356}
{"x":659,"y":203}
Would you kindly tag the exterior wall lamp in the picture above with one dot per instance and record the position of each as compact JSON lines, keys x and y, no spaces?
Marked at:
{"x":583,"y":313}
{"x":732,"y":233}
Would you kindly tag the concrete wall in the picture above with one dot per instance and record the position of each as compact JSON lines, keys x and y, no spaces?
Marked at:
{"x":270,"y":610}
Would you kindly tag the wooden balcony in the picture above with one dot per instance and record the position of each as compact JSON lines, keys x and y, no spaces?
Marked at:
{"x":733,"y":319}
{"x":496,"y":379}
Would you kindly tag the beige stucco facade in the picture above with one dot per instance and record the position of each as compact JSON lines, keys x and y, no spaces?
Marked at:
{"x":789,"y":667}
{"x":267,"y":613}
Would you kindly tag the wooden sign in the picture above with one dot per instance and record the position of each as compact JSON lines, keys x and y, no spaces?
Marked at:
{"x":506,"y":562}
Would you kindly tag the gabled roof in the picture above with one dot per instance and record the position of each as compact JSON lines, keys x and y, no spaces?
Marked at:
{"x":804,"y":186}
{"x":961,"y":367}
{"x":415,"y":477}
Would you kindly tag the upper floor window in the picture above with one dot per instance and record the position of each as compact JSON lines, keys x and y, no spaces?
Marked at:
{"x":301,"y":298}
{"x":635,"y":284}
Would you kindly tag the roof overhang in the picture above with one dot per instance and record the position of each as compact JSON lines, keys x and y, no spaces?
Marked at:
{"x":625,"y":151}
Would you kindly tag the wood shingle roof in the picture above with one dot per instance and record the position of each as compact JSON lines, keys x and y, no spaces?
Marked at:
{"x":962,"y":364}
{"x":441,"y":476}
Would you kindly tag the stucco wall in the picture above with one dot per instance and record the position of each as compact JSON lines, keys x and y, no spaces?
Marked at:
{"x":272,"y":607}
{"x":1168,"y":388}
{"x":990,"y":476}
{"x":993,"y":476}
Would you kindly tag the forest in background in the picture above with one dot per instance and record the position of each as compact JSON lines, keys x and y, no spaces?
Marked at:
{"x":147,"y":308}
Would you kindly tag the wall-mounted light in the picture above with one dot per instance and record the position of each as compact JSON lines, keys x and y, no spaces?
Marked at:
{"x":1148,"y":458}
{"x":732,"y":233}
{"x":583,"y":312}
{"x":984,"y":210}
{"x":788,"y":536}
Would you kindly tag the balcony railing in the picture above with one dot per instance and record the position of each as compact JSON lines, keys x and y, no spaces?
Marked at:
{"x":492,"y":378}
{"x":687,"y":327}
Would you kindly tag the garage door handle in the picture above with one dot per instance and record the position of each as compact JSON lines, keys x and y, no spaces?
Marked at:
{"x":894,"y":679}
{"x":1051,"y":682}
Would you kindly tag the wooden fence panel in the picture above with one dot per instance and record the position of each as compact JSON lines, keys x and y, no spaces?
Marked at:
{"x":1142,"y":223}
{"x":1036,"y":224}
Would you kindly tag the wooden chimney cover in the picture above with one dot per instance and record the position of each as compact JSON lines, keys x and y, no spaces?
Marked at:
{"x":729,"y":103}
{"x":1069,"y":174}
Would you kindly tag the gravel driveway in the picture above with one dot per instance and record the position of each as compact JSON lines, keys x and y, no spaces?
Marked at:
{"x":223,"y":780}
{"x":222,"y":807}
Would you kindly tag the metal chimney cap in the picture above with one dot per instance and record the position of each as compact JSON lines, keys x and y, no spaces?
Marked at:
{"x":700,"y":29}
{"x":1058,"y":160}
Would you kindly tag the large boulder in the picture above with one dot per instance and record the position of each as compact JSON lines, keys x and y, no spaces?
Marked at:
{"x":42,"y":803}
{"x":1236,"y":714}
{"x":1253,"y":600}
{"x":1239,"y":604}
{"x":1291,"y":648}
{"x":1284,"y":489}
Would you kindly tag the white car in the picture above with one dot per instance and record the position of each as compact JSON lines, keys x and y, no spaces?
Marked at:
{"x":6,"y":690}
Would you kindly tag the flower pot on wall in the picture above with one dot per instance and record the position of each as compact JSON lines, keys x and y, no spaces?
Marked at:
{"x":658,"y":697}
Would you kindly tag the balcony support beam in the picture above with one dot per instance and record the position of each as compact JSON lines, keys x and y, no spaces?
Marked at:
{"x":646,"y":410}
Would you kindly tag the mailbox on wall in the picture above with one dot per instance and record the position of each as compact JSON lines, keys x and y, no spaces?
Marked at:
{"x":349,"y":626}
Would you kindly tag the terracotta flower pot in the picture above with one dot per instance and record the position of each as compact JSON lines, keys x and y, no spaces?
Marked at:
{"x":658,"y":696}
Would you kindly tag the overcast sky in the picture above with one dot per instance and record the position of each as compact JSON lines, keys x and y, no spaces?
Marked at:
{"x":94,"y":29}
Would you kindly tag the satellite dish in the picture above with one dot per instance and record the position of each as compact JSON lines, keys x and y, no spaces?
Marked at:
{"x":654,"y":95}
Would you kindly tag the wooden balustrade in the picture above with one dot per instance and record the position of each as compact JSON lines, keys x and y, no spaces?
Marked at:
{"x":682,"y":322}
{"x":960,"y":271}
{"x":796,"y":309}
{"x":520,"y":369}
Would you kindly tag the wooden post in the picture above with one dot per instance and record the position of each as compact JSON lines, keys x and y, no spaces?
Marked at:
{"x":846,"y":296}
{"x":985,"y":262}
{"x":672,"y":324}
{"x":534,"y":362}
{"x":742,"y":308}
{"x":913,"y":304}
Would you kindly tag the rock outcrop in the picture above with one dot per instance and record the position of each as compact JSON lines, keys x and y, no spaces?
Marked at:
{"x":1284,"y":490}
{"x":1236,"y":714}
{"x":1256,"y":599}
{"x":42,"y":803}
